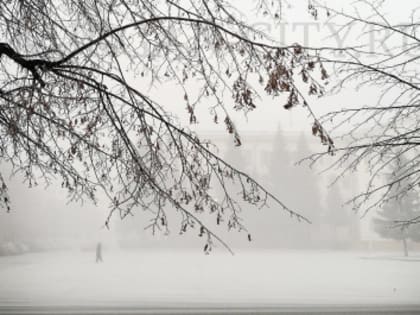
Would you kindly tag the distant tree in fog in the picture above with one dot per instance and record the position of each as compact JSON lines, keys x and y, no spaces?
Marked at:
{"x":4,"y":196}
{"x":336,"y":215}
{"x":307,"y":182}
{"x":299,"y":186}
{"x":278,"y":178}
{"x":75,"y":103}
{"x":390,"y":222}
{"x":306,"y":194}
{"x":279,"y":163}
{"x":334,"y":206}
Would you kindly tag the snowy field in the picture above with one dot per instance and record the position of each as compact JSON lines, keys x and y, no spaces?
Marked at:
{"x":184,"y":279}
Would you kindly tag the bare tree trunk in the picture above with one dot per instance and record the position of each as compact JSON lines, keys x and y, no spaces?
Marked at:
{"x":405,"y":247}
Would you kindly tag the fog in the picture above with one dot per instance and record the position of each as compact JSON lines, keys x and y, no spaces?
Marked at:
{"x":43,"y":218}
{"x":48,"y":248}
{"x":48,"y":245}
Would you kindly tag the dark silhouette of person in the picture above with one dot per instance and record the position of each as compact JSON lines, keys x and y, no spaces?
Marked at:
{"x":99,"y":252}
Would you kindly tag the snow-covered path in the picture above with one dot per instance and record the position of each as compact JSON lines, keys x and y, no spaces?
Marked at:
{"x":191,"y":278}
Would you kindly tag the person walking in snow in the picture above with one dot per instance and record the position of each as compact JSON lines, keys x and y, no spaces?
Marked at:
{"x":99,"y":252}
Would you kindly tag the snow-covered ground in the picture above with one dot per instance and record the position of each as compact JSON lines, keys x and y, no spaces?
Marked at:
{"x":147,"y":278}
